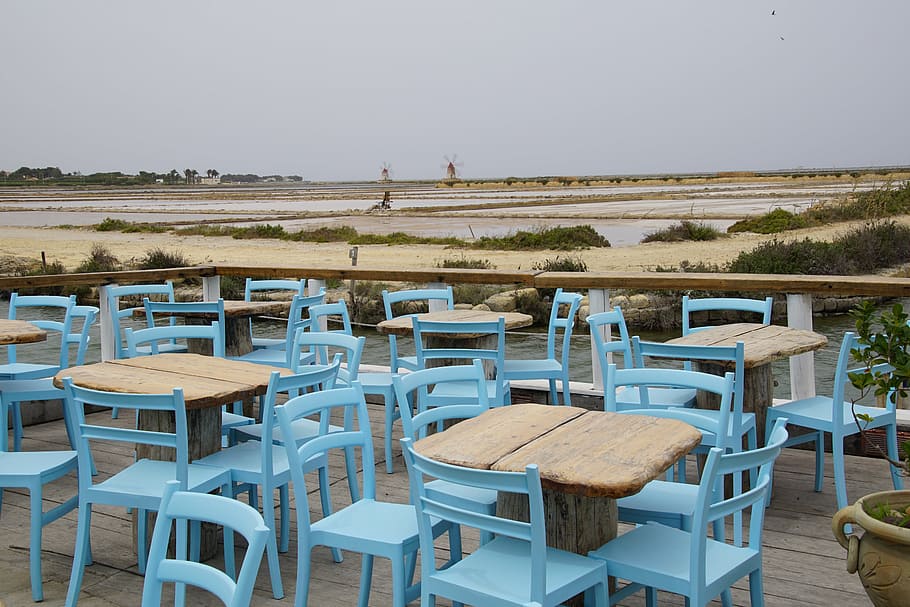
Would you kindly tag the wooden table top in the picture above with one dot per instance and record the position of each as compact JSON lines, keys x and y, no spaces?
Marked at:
{"x":20,"y":332}
{"x":403,"y":325}
{"x":206,"y":381}
{"x":591,"y":453}
{"x":761,"y":343}
{"x":233,"y":308}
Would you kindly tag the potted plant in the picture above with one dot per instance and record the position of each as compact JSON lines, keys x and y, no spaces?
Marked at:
{"x":881,"y":556}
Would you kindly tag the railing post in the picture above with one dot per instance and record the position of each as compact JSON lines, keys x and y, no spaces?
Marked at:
{"x":436,"y":305}
{"x":108,"y":347}
{"x":313,"y":286}
{"x":802,"y":366}
{"x":598,"y":301}
{"x":211,"y":288}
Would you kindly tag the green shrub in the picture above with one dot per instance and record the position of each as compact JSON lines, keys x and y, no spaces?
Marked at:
{"x":158,"y":258}
{"x":556,"y":239}
{"x":325,"y":234}
{"x":778,"y":220}
{"x":259,"y":231}
{"x":700,"y":267}
{"x":467,"y":263}
{"x":561,"y":264}
{"x":100,"y":259}
{"x":206,"y":230}
{"x":119,"y":225}
{"x":111,"y":225}
{"x":54,"y":267}
{"x":685,"y":230}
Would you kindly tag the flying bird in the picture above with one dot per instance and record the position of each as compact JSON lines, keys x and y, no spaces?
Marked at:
{"x":772,"y":11}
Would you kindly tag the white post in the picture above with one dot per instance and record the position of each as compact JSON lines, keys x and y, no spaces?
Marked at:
{"x":313,"y":286}
{"x":108,"y":347}
{"x":598,"y":301}
{"x":802,"y":366}
{"x":211,"y":288}
{"x":436,"y":305}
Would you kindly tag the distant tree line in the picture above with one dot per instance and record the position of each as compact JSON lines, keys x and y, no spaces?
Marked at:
{"x":54,"y":176}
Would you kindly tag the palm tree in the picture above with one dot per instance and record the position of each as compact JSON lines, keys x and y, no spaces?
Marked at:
{"x":189,"y":175}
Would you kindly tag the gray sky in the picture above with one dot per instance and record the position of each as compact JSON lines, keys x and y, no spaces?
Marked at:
{"x":331,"y":90}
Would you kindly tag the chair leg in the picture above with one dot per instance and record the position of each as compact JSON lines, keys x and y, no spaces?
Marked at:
{"x":840,"y":481}
{"x":819,"y":460}
{"x":389,"y":422}
{"x":326,"y":500}
{"x":80,"y":555}
{"x":141,"y":539}
{"x":271,"y":547}
{"x":896,"y":477}
{"x":34,"y":548}
{"x":16,"y":413}
{"x":398,"y":582}
{"x":366,"y":579}
{"x":284,"y":505}
{"x":756,"y":589}
{"x":303,"y":575}
{"x":554,"y":395}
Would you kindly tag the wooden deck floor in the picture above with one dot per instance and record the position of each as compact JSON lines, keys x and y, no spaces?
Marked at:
{"x":803,"y":563}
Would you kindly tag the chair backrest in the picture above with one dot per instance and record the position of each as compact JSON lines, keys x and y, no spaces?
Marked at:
{"x":78,"y":398}
{"x":411,"y":389}
{"x":569,"y":302}
{"x":299,"y":316}
{"x":165,"y":291}
{"x":393,"y":299}
{"x":153,"y":336}
{"x":297,"y":287}
{"x":724,"y":355}
{"x":347,"y":402}
{"x":319,"y":313}
{"x":420,"y":469}
{"x":494,"y":354}
{"x":234,"y":516}
{"x":601,"y":326}
{"x":712,"y":505}
{"x":88,"y":315}
{"x":26,"y":307}
{"x":842,"y":379}
{"x":325,"y":345}
{"x":735,"y":304}
{"x":722,"y":387}
{"x":210,"y":309}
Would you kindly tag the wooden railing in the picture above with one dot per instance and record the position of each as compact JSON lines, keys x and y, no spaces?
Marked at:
{"x":798,"y":290}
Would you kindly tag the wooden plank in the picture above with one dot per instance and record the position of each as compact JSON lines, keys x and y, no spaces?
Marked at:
{"x":482,"y":441}
{"x":761,"y":343}
{"x":20,"y":332}
{"x":619,"y":453}
{"x":197,"y":391}
{"x":403,"y":325}
{"x":232,"y":308}
{"x":235,"y":371}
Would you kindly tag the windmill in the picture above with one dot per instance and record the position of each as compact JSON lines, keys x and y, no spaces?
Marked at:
{"x":385,"y":172}
{"x":452,"y":165}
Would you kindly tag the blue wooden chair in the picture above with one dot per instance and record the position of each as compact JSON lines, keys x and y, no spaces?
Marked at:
{"x":409,"y":389}
{"x":31,"y":471}
{"x":212,"y":309}
{"x":834,"y":415}
{"x":264,"y":463}
{"x":15,"y":391}
{"x":376,"y":383}
{"x":179,"y":507}
{"x":294,"y":287}
{"x":280,"y":355}
{"x":498,"y":389}
{"x":141,"y":484}
{"x":601,"y":326}
{"x":120,"y":315}
{"x":551,"y":368}
{"x":516,"y":568}
{"x":690,"y":306}
{"x":415,"y":301}
{"x":49,"y":312}
{"x":689,"y":562}
{"x":368,"y":526}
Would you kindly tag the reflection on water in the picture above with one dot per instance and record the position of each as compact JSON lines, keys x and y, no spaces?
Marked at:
{"x":520,"y":344}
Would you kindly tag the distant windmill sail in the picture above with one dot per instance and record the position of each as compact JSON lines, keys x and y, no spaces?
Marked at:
{"x":452,"y":166}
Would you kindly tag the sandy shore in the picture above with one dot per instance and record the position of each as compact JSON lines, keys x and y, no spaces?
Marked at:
{"x":72,"y":246}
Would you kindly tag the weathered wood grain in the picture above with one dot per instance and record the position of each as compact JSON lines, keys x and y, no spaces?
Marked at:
{"x":403,"y":325}
{"x":761,"y":343}
{"x":20,"y":332}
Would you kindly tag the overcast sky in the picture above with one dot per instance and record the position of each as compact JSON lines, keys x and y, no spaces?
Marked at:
{"x":331,"y":90}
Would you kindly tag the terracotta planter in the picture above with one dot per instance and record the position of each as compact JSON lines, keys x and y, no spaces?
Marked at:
{"x":881,"y":556}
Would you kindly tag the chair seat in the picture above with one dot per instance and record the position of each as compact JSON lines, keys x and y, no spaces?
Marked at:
{"x":408,"y":362}
{"x":261,"y":343}
{"x":377,"y":383}
{"x":461,"y":391}
{"x":272,"y":357}
{"x":660,"y":501}
{"x":500,"y":570}
{"x":474,"y":499}
{"x":32,"y":463}
{"x":657,"y":397}
{"x":244,"y":460}
{"x":16,"y":371}
{"x":233,"y":420}
{"x":355,"y":527}
{"x":634,"y":555}
{"x":304,"y":429}
{"x":30,"y":389}
{"x":815,"y":412}
{"x":146,"y":479}
{"x":163,"y":348}
{"x":531,"y":368}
